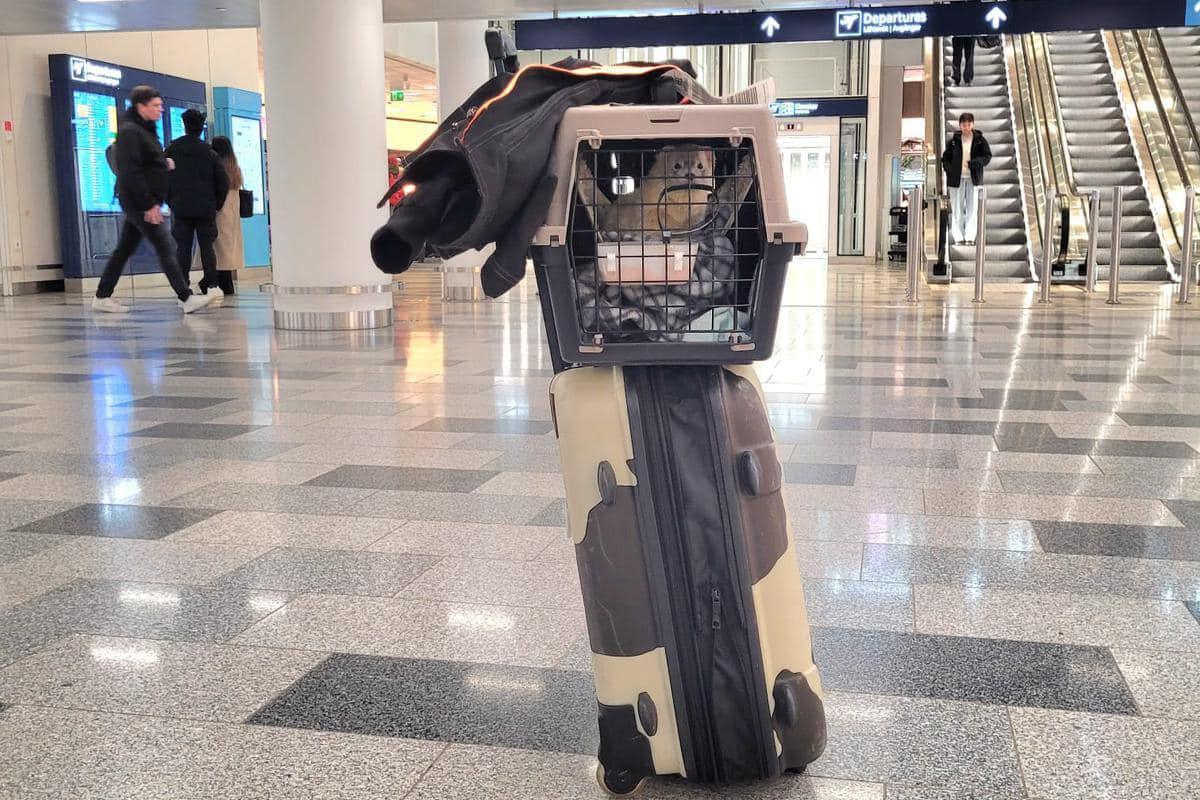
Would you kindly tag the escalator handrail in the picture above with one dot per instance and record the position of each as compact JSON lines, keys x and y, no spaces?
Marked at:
{"x":1152,"y":82}
{"x":1071,"y":187}
{"x":1181,"y":100}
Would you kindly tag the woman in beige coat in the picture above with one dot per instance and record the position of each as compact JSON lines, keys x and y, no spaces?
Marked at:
{"x":230,"y":255}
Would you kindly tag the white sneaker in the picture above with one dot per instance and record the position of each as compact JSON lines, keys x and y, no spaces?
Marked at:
{"x":195,"y":302}
{"x":109,"y":305}
{"x":216,"y":294}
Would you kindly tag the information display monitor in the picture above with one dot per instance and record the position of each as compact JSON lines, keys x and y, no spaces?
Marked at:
{"x":95,"y":124}
{"x":247,"y":146}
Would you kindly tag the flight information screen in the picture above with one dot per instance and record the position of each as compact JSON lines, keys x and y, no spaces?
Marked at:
{"x":95,"y":129}
{"x":247,"y":146}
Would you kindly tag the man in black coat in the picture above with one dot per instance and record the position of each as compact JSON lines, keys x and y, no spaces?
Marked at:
{"x":196,"y":192}
{"x":967,"y":153}
{"x":142,"y":168}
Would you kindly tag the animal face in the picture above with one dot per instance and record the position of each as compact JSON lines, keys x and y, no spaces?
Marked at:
{"x":684,"y":163}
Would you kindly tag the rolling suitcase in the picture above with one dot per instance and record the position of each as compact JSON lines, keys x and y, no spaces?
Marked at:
{"x":660,"y":272}
{"x":694,"y":605}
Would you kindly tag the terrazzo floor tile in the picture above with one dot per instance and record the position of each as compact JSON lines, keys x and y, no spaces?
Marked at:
{"x":174,"y":401}
{"x":874,"y":499}
{"x":472,"y":425}
{"x":820,"y":474}
{"x":525,"y":484}
{"x":163,"y":759}
{"x":1143,"y":486}
{"x":494,"y":582}
{"x":927,"y":478}
{"x":18,"y":587}
{"x":334,"y":571}
{"x":425,"y":458}
{"x":1076,"y":756}
{"x":913,"y":741}
{"x":15,"y":546}
{"x":1068,"y":508}
{"x":274,"y":529}
{"x":160,"y":678}
{"x":914,"y":529}
{"x":118,"y":521}
{"x":858,"y":604}
{"x":553,"y":515}
{"x":444,"y":507}
{"x":476,"y":540}
{"x":1164,"y":684}
{"x":197,"y":430}
{"x":995,"y":671}
{"x":1097,"y":620}
{"x":446,"y":701}
{"x":1028,"y":462}
{"x":403,"y":478}
{"x":263,"y":497}
{"x":217,"y":470}
{"x":1131,"y":541}
{"x":125,"y":608}
{"x":138,"y":560}
{"x":533,"y":637}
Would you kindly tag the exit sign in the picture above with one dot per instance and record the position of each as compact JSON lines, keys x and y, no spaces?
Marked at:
{"x":396,"y":95}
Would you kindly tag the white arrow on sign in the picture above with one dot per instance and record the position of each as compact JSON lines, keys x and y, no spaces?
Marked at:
{"x":996,"y":17}
{"x":770,"y":25}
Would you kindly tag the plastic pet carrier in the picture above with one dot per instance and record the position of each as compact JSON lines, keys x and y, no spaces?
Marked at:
{"x":669,"y":239}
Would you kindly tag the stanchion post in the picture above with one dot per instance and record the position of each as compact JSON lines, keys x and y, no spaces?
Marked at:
{"x":1114,"y":248}
{"x":1089,"y":281}
{"x":916,"y":202}
{"x":1047,"y":247}
{"x":980,"y":241}
{"x":1189,"y":241}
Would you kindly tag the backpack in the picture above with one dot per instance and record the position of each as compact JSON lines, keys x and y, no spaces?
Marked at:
{"x":110,"y":155}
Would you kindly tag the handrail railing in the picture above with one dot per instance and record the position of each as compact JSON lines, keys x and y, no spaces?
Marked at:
{"x":935,"y":233}
{"x":1155,"y":147}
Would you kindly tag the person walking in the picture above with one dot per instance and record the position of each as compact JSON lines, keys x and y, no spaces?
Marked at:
{"x":230,"y":256}
{"x":964,"y":50}
{"x":967,"y":153}
{"x":141,"y":168}
{"x":197,"y":189}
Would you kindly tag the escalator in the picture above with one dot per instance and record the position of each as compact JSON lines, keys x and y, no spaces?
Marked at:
{"x":1182,"y":46}
{"x":1101,"y":152}
{"x":1007,"y":251}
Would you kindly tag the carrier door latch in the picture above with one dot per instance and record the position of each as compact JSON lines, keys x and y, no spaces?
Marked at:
{"x":593,"y":138}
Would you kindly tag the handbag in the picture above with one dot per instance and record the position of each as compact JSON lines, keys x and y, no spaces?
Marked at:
{"x":245,"y":203}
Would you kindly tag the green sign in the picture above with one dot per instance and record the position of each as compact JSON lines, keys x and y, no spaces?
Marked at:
{"x":396,"y":95}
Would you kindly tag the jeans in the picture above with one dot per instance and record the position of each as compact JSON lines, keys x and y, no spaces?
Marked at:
{"x":964,"y":50}
{"x":963,"y":224}
{"x":204,"y":229}
{"x":132,"y":231}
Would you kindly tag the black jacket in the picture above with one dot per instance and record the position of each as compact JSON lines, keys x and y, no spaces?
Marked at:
{"x":141,"y":165}
{"x":198,"y":185}
{"x":981,"y":156}
{"x":484,"y":175}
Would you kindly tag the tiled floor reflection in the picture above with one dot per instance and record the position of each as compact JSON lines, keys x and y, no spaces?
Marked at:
{"x":236,"y":562}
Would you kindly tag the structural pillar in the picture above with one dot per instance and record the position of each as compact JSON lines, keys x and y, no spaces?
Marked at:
{"x":462,"y":67}
{"x":323,"y":68}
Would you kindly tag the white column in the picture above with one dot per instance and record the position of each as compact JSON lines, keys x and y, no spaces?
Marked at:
{"x":327,"y":158}
{"x":462,"y":62}
{"x":462,"y":67}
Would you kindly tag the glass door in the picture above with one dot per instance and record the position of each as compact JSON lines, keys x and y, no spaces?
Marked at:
{"x":806,"y":166}
{"x":852,"y":186}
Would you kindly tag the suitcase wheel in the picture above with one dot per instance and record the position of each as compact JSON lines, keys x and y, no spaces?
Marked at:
{"x":619,"y":783}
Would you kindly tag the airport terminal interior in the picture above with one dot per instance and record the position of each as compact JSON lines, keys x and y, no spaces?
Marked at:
{"x":314,"y":540}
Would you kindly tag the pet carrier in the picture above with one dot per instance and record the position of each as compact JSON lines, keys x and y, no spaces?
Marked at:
{"x":668,"y":239}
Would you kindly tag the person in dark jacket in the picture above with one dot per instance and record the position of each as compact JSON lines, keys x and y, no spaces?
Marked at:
{"x":967,"y":153}
{"x":964,"y":50}
{"x":196,"y":192}
{"x":142,"y":168}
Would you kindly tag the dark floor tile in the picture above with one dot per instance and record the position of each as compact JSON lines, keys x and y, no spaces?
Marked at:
{"x":1182,"y":351}
{"x":484,"y":704}
{"x":1194,"y":607}
{"x":553,"y":515}
{"x":1115,"y":378}
{"x":472,"y":425}
{"x":297,"y":569}
{"x":356,"y":476}
{"x":194,"y":430}
{"x":993,"y":671}
{"x":1186,"y":511}
{"x":119,"y":521}
{"x":1129,"y":541}
{"x":883,"y":380}
{"x":1130,"y":447}
{"x":8,"y":476}
{"x":1036,"y":437}
{"x":44,"y":377}
{"x":1160,"y":420}
{"x":175,"y":401}
{"x":139,"y":610}
{"x":1021,"y":399}
{"x":820,"y":474}
{"x":16,"y":545}
{"x":890,"y":425}
{"x":12,"y":406}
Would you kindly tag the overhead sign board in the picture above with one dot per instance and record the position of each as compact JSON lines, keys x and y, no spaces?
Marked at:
{"x":1192,"y":11}
{"x":968,"y":18}
{"x":86,"y":71}
{"x":792,"y":107}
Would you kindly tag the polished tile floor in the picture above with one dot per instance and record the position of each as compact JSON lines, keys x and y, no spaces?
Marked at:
{"x":236,"y":562}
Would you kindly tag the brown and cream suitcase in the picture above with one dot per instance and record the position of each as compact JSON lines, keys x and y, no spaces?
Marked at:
{"x":694,"y":604}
